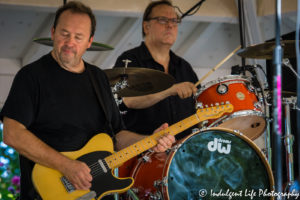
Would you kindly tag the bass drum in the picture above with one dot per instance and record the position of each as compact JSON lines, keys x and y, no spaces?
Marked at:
{"x":203,"y":165}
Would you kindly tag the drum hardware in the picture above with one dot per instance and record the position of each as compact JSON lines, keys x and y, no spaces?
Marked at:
{"x":174,"y":148}
{"x":123,"y":83}
{"x":265,"y":50}
{"x":137,"y":81}
{"x":132,"y":193}
{"x":258,"y":105}
{"x":289,"y":140}
{"x":286,"y":62}
{"x":251,"y":87}
{"x":146,"y":158}
{"x":222,"y":89}
{"x":195,"y":130}
{"x":199,"y":105}
{"x":156,"y":196}
{"x":159,"y":183}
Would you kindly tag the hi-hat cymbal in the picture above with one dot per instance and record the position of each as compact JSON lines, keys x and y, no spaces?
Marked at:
{"x":141,"y":81}
{"x":266,"y":50}
{"x":94,"y":47}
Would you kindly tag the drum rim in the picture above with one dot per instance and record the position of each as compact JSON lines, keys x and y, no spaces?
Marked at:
{"x":236,"y":133}
{"x":240,"y":113}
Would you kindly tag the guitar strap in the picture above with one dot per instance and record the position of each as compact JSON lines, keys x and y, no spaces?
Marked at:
{"x":101,"y":101}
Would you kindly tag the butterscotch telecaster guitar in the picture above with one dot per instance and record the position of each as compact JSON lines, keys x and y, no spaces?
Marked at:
{"x":98,"y":154}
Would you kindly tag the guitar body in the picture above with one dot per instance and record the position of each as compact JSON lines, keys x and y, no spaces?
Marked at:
{"x":50,"y":187}
{"x":98,"y":154}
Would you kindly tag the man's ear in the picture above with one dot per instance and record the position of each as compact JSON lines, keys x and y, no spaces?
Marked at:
{"x":52,"y":33}
{"x":90,"y":41}
{"x":146,"y":26}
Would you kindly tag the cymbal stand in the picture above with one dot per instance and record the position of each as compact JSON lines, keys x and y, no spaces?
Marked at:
{"x":286,"y":62}
{"x":268,"y":134}
{"x":121,"y":84}
{"x":267,"y":106}
{"x":289,"y":140}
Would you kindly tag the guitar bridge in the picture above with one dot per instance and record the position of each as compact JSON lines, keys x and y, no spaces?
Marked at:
{"x":88,"y":196}
{"x":69,"y":187}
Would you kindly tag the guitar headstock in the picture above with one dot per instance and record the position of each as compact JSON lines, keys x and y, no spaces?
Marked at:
{"x":214,"y":111}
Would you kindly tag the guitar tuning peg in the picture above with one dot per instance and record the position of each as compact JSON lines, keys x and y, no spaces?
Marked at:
{"x":211,"y":105}
{"x":206,"y":106}
{"x":217,"y":104}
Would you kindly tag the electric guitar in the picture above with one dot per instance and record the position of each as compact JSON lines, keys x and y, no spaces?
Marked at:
{"x":98,"y":154}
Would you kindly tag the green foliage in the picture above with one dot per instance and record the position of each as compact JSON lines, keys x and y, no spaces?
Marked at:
{"x":9,"y":171}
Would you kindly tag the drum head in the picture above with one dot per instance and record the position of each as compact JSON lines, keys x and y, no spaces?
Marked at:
{"x":217,"y":161}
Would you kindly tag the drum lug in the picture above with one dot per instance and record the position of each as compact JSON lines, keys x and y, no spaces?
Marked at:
{"x":146,"y":158}
{"x":156,"y":196}
{"x":199,"y":105}
{"x":257,"y":105}
{"x":250,"y":87}
{"x":175,"y":147}
{"x":159,"y":183}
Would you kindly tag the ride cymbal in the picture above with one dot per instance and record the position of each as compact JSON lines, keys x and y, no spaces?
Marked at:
{"x":94,"y":47}
{"x":266,"y":50}
{"x":140,"y":81}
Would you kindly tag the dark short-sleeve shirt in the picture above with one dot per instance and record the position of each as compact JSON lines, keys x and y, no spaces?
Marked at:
{"x":171,"y":109}
{"x":59,"y":107}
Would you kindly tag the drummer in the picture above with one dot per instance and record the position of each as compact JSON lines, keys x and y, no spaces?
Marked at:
{"x":144,"y":113}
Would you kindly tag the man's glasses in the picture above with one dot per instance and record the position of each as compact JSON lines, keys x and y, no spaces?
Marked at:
{"x":165,"y":20}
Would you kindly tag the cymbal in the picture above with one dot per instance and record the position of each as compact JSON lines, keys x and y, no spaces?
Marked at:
{"x":284,"y":94}
{"x":265,"y":50}
{"x":141,"y":81}
{"x":94,"y":47}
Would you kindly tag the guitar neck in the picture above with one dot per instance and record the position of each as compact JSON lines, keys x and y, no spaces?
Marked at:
{"x":125,"y":154}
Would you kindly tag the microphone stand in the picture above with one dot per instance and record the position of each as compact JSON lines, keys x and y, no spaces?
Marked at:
{"x":190,"y":10}
{"x":277,"y":106}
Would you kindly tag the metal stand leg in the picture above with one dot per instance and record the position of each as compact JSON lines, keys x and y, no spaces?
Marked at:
{"x":288,"y":141}
{"x":268,"y":136}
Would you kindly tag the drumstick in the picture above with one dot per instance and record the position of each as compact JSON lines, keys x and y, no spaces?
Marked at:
{"x":217,"y":66}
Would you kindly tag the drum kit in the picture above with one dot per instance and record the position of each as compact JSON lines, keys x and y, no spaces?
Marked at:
{"x":218,"y":160}
{"x":219,"y":156}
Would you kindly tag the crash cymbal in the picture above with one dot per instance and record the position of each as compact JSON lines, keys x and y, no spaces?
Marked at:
{"x":141,"y":81}
{"x":94,"y":47}
{"x":265,"y":50}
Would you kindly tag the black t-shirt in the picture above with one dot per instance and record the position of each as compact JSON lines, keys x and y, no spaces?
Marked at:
{"x":59,"y":107}
{"x":171,"y":109}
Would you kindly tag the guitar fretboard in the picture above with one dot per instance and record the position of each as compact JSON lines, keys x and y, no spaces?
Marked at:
{"x":125,"y":154}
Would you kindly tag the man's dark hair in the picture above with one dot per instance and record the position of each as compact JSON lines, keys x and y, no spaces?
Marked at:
{"x":150,"y":7}
{"x":76,"y":7}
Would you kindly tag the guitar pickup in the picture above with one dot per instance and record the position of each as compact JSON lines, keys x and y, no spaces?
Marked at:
{"x":69,"y":187}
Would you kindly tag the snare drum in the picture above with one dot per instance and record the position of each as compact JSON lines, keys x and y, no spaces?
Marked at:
{"x":247,"y":116}
{"x":212,"y":161}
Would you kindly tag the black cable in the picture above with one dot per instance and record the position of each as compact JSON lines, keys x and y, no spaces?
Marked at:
{"x":187,"y":13}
